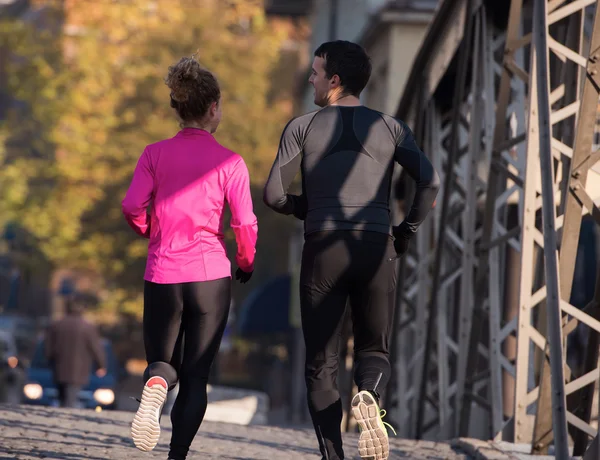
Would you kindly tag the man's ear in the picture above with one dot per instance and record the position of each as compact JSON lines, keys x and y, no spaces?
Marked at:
{"x":335,"y":81}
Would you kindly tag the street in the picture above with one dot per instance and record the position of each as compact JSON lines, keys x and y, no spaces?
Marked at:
{"x":31,"y":432}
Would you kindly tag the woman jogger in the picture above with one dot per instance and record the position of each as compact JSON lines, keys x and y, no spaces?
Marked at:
{"x":187,"y":180}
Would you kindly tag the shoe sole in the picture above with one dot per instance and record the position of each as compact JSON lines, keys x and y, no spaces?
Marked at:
{"x":373,"y":443}
{"x":145,"y":428}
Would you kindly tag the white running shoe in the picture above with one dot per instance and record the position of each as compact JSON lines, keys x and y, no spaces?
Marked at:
{"x":373,"y":443}
{"x":145,"y":428}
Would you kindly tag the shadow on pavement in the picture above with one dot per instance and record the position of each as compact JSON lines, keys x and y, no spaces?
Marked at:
{"x":273,"y":445}
{"x":76,"y":415}
{"x":35,"y":453}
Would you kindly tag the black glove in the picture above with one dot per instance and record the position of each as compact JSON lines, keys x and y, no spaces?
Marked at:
{"x":402,"y":236}
{"x":299,"y":205}
{"x":243,"y":276}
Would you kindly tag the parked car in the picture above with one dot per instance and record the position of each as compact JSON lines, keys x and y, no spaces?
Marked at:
{"x":40,"y":388}
{"x":10,"y":365}
{"x":23,"y":331}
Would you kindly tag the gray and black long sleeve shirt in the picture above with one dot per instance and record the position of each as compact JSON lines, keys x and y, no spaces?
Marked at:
{"x":346,"y":156}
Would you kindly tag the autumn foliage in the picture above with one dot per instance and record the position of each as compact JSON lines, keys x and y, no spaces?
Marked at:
{"x":83,"y":93}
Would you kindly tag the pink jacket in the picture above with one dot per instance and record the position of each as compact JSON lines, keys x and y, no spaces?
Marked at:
{"x":187,"y":179}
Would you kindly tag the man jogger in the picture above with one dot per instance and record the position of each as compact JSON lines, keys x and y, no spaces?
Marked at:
{"x":346,"y":153}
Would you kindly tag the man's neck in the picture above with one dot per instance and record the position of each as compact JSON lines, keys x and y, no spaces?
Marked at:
{"x":346,"y":101}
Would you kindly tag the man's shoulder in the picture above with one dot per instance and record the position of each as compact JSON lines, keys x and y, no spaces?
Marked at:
{"x":397,"y":127}
{"x":68,"y":323}
{"x":81,"y":321}
{"x":301,"y":121}
{"x":389,"y":119}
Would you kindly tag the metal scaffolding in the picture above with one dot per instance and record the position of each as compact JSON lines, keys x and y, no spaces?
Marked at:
{"x":483,"y":311}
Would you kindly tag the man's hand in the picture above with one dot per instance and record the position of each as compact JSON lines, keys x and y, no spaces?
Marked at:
{"x":243,"y":276}
{"x":101,"y":372}
{"x":402,"y":238}
{"x":300,"y":206}
{"x":300,"y":214}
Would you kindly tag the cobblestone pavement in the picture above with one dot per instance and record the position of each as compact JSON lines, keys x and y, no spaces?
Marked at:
{"x":31,"y":432}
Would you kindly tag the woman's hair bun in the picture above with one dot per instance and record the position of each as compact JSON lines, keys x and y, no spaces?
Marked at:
{"x":182,"y":78}
{"x":193,"y":89}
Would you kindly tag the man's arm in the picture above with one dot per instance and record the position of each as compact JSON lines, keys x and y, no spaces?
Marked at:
{"x":138,"y":197}
{"x":420,"y":169}
{"x":284,"y":169}
{"x":243,"y":220}
{"x":96,"y":349}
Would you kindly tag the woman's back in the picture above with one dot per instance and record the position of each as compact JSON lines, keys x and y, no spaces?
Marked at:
{"x":187,"y":179}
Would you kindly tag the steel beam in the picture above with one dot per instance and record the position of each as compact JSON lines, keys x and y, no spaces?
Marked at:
{"x":540,"y":82}
{"x":574,"y":208}
{"x":421,"y":289}
{"x":472,"y":351}
{"x":463,"y":61}
{"x":495,"y":235}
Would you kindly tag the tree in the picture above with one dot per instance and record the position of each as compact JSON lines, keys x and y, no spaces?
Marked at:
{"x":89,"y":95}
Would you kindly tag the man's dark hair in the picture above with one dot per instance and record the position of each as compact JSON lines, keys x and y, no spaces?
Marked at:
{"x":347,"y":60}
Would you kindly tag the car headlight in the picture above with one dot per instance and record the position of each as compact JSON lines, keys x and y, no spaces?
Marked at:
{"x":104,"y":396}
{"x":33,"y":390}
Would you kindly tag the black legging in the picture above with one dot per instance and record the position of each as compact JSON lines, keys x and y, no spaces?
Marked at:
{"x":339,"y":266}
{"x":183,"y":327}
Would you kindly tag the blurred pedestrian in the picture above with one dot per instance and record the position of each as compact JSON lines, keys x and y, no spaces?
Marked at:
{"x":72,"y":346}
{"x":346,"y":153}
{"x":187,"y":180}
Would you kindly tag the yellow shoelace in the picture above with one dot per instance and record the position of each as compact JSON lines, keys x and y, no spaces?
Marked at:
{"x":382,"y":413}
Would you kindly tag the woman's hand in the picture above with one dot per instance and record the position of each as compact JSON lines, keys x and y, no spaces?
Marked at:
{"x":243,"y":276}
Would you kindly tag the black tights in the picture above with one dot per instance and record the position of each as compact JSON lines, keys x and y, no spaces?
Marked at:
{"x":340,"y":267}
{"x":183,"y":328}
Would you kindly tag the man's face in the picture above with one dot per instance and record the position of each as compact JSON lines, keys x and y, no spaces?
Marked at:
{"x":320,"y":82}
